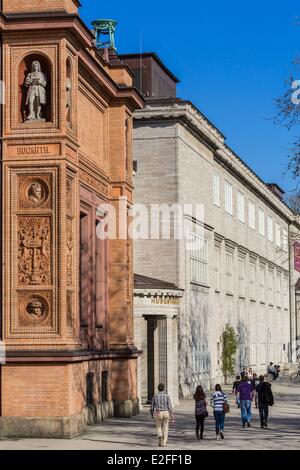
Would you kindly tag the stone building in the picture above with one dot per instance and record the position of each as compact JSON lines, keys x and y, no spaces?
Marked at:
{"x":235,"y":264}
{"x":66,"y":314}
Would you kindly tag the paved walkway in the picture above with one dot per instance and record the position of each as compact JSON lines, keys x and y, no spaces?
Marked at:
{"x":138,"y":433}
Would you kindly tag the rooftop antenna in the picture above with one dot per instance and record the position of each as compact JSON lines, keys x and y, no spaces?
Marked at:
{"x":102,"y":29}
{"x":141,"y":62}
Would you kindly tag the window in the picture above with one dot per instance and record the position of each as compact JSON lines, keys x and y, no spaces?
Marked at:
{"x":199,"y":258}
{"x":278,"y":234}
{"x":253,"y":354}
{"x":217,"y":255}
{"x":263,"y":353}
{"x":278,"y":289}
{"x":229,"y":272}
{"x":252,"y":280}
{"x":285,"y":291}
{"x":242,"y":269}
{"x":285,"y":244}
{"x":262,"y":284}
{"x":216,"y":189}
{"x":271,"y":286}
{"x":241,"y":207}
{"x":261,"y":222}
{"x":251,"y":214}
{"x":228,"y":197}
{"x":270,"y":229}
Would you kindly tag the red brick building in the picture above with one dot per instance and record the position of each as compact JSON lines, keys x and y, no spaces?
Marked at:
{"x":66,"y":316}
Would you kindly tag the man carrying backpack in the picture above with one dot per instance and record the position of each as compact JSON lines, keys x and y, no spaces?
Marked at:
{"x":265,"y":399}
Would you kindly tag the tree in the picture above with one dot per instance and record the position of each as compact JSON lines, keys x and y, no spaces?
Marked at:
{"x":229,"y":340}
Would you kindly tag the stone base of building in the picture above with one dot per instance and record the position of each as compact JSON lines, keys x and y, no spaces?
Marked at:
{"x":31,"y":427}
{"x":126,"y":408}
{"x":65,"y":427}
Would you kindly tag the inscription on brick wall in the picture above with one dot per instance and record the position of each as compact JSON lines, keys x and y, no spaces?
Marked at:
{"x":34,"y":150}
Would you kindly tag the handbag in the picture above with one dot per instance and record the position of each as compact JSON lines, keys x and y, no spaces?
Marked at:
{"x":226,"y":408}
{"x":205,"y":414}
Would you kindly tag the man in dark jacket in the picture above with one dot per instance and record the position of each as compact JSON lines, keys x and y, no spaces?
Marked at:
{"x":265,"y":399}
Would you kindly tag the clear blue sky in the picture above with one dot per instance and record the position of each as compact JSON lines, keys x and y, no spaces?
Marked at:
{"x":232,"y":59}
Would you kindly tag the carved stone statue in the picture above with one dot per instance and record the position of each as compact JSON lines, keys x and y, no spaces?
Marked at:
{"x":68,"y":90}
{"x":35,"y":192}
{"x":36,"y":82}
{"x":36,"y":308}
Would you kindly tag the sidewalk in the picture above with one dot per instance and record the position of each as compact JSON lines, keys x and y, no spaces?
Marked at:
{"x":138,"y":433}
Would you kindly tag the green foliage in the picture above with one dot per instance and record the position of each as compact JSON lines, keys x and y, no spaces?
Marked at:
{"x":229,"y":341}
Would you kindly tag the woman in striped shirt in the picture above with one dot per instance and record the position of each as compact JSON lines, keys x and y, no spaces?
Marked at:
{"x":217,"y":401}
{"x":200,"y":410}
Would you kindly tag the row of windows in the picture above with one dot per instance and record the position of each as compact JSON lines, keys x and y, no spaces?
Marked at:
{"x":265,"y":225}
{"x":276,"y":351}
{"x":262,"y":282}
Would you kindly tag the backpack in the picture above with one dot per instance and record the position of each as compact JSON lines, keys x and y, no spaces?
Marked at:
{"x":267,"y":395}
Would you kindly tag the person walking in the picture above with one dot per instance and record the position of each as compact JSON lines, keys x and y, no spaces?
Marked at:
{"x":162,"y":408}
{"x":265,"y":399}
{"x":245,"y":394}
{"x":255,"y":382}
{"x":219,"y":402}
{"x":236,"y":383}
{"x":200,"y":411}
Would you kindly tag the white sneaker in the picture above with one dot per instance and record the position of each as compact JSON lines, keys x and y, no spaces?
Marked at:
{"x":218,"y":437}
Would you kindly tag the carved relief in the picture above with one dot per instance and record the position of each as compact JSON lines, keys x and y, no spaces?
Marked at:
{"x":34,"y":309}
{"x":69,"y":310}
{"x":69,"y":198}
{"x":34,"y":192}
{"x":97,"y":185}
{"x":34,"y":264}
{"x":69,"y":252}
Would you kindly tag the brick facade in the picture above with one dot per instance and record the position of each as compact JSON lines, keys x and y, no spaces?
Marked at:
{"x":67,"y":296}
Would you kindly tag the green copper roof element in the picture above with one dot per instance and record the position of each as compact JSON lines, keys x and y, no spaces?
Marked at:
{"x":105,"y":28}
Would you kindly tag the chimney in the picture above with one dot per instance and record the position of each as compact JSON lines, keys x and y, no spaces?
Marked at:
{"x":276,"y":190}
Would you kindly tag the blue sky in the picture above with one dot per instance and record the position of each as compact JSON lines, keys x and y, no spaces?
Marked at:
{"x":232,"y":59}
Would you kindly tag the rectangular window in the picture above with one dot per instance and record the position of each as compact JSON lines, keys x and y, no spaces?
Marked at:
{"x":271,"y":286}
{"x":241,"y":207}
{"x":229,"y":273}
{"x":252,"y":280}
{"x":216,"y":189}
{"x":278,"y":235}
{"x":262,"y":284}
{"x":278,"y":289}
{"x":251,"y":214}
{"x":285,"y":291}
{"x":199,"y":259}
{"x":285,"y":244}
{"x":261,"y":222}
{"x":228,"y":198}
{"x":253,"y":354}
{"x":263,"y":353}
{"x":270,"y":229}
{"x":242,"y":270}
{"x":217,"y":255}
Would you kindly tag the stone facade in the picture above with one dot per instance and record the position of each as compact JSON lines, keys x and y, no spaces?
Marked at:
{"x":239,"y":252}
{"x":66,"y":296}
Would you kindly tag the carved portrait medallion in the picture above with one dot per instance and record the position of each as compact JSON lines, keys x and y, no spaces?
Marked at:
{"x":34,"y":310}
{"x":34,"y":192}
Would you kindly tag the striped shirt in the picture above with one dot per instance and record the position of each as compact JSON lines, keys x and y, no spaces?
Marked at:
{"x":217,"y":400}
{"x":161,"y":402}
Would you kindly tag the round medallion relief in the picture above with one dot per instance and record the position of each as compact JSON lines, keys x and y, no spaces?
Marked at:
{"x":36,"y":310}
{"x":34,"y":192}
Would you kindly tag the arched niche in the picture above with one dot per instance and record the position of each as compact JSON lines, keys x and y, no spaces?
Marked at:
{"x":24,"y":70}
{"x":69,"y":91}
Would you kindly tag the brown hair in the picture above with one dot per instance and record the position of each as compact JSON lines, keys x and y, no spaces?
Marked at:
{"x":199,"y":394}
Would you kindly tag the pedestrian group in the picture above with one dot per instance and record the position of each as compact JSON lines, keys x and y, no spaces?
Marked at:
{"x":247,"y":388}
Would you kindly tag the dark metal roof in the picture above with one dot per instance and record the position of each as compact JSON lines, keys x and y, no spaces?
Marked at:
{"x":145,"y":282}
{"x":155,"y":57}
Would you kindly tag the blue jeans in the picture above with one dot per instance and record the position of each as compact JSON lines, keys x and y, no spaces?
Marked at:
{"x":246,"y":411}
{"x":219,"y":418}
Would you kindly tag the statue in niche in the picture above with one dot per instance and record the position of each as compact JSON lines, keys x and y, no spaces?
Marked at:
{"x":35,"y":192}
{"x":36,"y":309}
{"x":36,"y":82}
